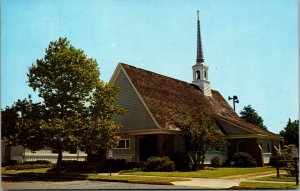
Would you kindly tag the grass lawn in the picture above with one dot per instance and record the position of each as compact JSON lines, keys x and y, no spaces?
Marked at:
{"x":135,"y":178}
{"x":42,"y":175}
{"x":12,"y":172}
{"x":265,"y":185}
{"x":207,"y":173}
{"x":282,"y":178}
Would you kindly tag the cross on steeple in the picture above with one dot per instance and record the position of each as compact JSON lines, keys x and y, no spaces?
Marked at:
{"x":200,"y":57}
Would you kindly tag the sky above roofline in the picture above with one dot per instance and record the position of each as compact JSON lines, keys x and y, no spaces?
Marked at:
{"x":250,"y":46}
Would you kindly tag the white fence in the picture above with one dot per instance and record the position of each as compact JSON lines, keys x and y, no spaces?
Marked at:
{"x":53,"y":159}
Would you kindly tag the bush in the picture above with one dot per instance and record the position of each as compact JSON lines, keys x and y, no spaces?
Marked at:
{"x":28,"y":166}
{"x":72,"y":166}
{"x":243,"y":159}
{"x":130,"y":170}
{"x":277,"y":161}
{"x":181,"y":161}
{"x":36,"y":162}
{"x":216,"y":162}
{"x":10,"y":163}
{"x":161,"y":164}
{"x":115,"y":165}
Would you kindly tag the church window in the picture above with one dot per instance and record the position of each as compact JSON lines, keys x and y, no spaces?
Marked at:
{"x":124,"y":144}
{"x":205,"y":74}
{"x":197,"y":75}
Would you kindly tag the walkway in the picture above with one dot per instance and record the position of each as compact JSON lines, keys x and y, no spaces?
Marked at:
{"x":209,"y":183}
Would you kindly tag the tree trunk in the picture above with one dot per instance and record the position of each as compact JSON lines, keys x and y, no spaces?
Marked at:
{"x":89,"y":154}
{"x":59,"y":159}
{"x":194,"y":160}
{"x":202,"y":162}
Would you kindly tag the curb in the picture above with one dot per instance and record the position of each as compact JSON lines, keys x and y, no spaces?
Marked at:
{"x":132,"y":181}
{"x":242,"y":188}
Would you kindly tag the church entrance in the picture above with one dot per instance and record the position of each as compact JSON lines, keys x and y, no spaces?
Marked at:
{"x":147,"y":147}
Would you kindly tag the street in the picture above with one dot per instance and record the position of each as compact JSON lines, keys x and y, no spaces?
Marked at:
{"x":85,"y":184}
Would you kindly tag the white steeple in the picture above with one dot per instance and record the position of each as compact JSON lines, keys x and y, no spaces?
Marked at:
{"x":200,"y":70}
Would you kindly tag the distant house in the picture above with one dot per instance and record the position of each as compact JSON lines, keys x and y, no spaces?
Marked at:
{"x":19,"y":154}
{"x":152,"y":101}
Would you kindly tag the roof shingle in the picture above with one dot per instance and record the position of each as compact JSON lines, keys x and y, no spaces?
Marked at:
{"x":164,"y":96}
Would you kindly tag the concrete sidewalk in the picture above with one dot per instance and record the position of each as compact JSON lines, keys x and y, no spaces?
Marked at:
{"x":209,"y":183}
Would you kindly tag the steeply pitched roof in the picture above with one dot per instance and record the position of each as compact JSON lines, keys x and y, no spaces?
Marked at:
{"x":164,"y":96}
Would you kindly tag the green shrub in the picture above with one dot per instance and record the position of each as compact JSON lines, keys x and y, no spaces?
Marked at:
{"x":277,"y":161}
{"x":216,"y":162}
{"x":37,"y":162}
{"x":10,"y":163}
{"x":115,"y":165}
{"x":73,"y":166}
{"x":161,"y":164}
{"x":28,"y":166}
{"x":243,"y":159}
{"x":130,"y":170}
{"x":181,"y":161}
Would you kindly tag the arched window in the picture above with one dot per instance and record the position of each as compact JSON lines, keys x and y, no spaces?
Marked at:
{"x":197,"y":75}
{"x":205,"y":74}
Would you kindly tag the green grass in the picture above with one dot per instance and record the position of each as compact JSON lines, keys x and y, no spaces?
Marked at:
{"x":135,"y":178}
{"x":207,"y":173}
{"x":266,"y":185}
{"x":12,"y":172}
{"x":281,"y":178}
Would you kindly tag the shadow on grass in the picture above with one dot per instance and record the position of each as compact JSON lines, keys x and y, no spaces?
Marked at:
{"x":31,"y":176}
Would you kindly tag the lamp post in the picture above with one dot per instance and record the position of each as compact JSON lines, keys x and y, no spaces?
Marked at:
{"x":234,"y":99}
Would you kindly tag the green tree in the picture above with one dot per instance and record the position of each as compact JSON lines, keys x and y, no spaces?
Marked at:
{"x":200,"y":135}
{"x":290,"y":133}
{"x":250,"y":115}
{"x":78,"y":109}
{"x":69,"y":84}
{"x":99,"y":120}
{"x":20,"y":124}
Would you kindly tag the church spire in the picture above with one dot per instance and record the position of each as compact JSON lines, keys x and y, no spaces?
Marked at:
{"x":200,"y":70}
{"x":200,"y":57}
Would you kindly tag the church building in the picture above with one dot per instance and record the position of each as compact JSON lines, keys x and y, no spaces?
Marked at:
{"x":152,"y":101}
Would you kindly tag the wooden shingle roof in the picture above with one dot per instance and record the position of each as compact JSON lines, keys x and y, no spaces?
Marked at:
{"x":164,"y":96}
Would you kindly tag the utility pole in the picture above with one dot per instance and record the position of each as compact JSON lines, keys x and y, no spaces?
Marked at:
{"x":234,"y":99}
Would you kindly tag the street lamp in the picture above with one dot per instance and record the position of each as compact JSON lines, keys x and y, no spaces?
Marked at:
{"x":234,"y":99}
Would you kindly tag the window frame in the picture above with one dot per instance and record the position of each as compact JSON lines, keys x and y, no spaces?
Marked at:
{"x":127,"y":146}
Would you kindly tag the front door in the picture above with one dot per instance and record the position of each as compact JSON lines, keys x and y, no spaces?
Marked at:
{"x":147,"y":147}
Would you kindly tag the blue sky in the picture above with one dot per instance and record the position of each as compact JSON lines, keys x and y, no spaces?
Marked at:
{"x":250,"y":46}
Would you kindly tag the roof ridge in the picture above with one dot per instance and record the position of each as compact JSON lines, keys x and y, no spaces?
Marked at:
{"x":161,"y":75}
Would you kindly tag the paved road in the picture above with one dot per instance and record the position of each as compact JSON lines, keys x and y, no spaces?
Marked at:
{"x":85,"y":184}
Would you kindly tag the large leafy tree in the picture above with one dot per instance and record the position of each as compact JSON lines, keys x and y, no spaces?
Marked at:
{"x":20,"y":124}
{"x":74,"y":100}
{"x":200,"y":135}
{"x":64,"y":78}
{"x":290,"y":133}
{"x":250,"y":115}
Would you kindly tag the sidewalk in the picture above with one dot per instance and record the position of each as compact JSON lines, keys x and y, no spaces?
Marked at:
{"x":209,"y":183}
